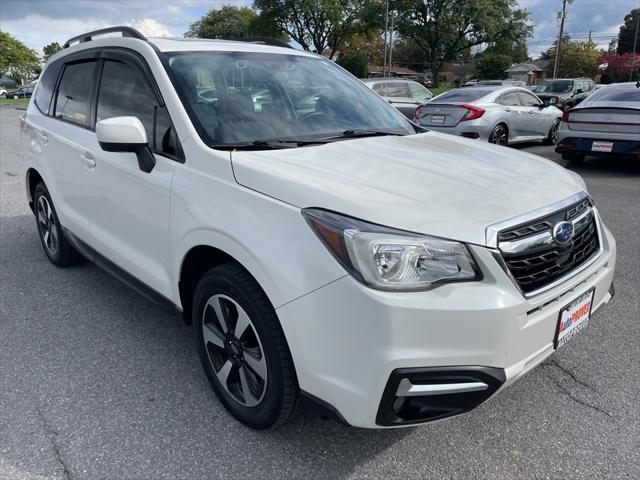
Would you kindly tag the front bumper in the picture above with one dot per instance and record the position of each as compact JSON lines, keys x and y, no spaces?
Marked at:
{"x":348,"y":341}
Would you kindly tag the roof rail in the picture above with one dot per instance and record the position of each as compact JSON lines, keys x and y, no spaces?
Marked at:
{"x":262,"y":40}
{"x":87,"y":37}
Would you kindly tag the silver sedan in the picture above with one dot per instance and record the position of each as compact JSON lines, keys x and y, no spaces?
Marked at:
{"x":502,"y":115}
{"x":606,"y":123}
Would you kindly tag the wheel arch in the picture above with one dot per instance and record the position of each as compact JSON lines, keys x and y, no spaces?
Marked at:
{"x":32,"y":179}
{"x":202,"y":256}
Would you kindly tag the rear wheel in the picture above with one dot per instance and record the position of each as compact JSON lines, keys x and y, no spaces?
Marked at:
{"x":243,"y":349}
{"x":57,"y":248}
{"x":552,"y":137}
{"x":499,"y":135}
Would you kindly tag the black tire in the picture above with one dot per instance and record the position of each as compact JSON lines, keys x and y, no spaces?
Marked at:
{"x":280,"y":398}
{"x":60,"y":252}
{"x":552,"y":136}
{"x":500,"y":135}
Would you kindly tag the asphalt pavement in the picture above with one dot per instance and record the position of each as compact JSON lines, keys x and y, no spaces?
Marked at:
{"x":98,"y":383}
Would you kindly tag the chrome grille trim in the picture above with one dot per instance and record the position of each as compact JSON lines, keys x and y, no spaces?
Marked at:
{"x":579,"y":210}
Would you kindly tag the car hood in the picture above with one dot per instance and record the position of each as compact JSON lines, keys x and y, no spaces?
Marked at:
{"x":429,"y":183}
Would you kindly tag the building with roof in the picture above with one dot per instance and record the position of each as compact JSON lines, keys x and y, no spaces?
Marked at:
{"x":529,"y":73}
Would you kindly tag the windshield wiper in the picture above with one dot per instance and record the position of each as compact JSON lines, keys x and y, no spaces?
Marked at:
{"x":270,"y":144}
{"x":359,"y":133}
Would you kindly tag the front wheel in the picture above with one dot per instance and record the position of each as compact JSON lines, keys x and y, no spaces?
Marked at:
{"x":243,"y":349}
{"x":499,"y":135}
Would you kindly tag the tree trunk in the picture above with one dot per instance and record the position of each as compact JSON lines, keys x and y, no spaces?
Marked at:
{"x":435,"y":72}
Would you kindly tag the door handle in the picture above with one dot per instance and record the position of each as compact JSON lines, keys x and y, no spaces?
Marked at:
{"x":507,"y":109}
{"x":88,"y":160}
{"x":530,"y":112}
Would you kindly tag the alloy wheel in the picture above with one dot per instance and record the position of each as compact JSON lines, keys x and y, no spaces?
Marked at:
{"x":234,"y":350}
{"x":554,"y":132}
{"x":500,"y":136}
{"x":47,"y":224}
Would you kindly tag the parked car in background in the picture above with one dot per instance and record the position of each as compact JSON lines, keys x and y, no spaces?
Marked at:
{"x":22,"y":92}
{"x":496,"y":83}
{"x":3,"y":92}
{"x":404,"y":95}
{"x":606,"y":123}
{"x":579,"y":97}
{"x":558,"y":91}
{"x":421,"y":78}
{"x":500,"y":115}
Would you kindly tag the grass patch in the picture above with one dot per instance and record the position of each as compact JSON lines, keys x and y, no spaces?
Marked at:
{"x":439,"y":90}
{"x":12,"y":101}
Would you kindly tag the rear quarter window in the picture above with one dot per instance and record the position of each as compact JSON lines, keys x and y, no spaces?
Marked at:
{"x":46,"y":85}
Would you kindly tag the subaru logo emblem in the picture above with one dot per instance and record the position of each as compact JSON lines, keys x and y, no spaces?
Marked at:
{"x":563,"y":232}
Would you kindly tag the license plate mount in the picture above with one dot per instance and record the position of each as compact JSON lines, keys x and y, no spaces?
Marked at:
{"x":438,"y":119}
{"x":573,"y":318}
{"x":603,"y":147}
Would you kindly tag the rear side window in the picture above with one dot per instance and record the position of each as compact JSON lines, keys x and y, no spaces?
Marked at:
{"x":46,"y":84}
{"x":510,"y":99}
{"x":398,"y":89}
{"x":72,"y":100}
{"x":124,"y":92}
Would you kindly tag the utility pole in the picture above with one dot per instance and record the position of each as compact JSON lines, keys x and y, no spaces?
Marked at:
{"x":559,"y":46}
{"x":393,"y":17}
{"x":635,"y":42}
{"x":589,"y":35}
{"x":386,"y":31}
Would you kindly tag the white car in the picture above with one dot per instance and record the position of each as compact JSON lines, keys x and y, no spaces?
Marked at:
{"x":329,"y":252}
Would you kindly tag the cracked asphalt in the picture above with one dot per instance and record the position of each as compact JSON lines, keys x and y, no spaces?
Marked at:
{"x":98,"y":383}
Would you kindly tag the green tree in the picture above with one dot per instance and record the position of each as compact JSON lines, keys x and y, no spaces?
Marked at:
{"x":577,"y":59}
{"x":355,"y":63}
{"x":232,"y":22}
{"x":16,"y":59}
{"x":51,"y":49}
{"x":493,"y":65}
{"x":320,"y":24}
{"x":628,"y":31}
{"x":445,"y":29}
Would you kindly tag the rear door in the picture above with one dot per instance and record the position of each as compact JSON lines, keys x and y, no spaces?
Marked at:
{"x":130,"y":208}
{"x":515,"y":114}
{"x":64,"y":134}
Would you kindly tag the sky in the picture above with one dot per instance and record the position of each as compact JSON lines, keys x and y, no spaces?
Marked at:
{"x":39,"y":22}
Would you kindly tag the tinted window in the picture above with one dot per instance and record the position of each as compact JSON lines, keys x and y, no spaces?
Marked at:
{"x":528,"y":100}
{"x":463,"y":95}
{"x":398,"y":89}
{"x":555,"y":86}
{"x":72,"y":101}
{"x":46,"y":84}
{"x":510,"y":99}
{"x":124,"y":92}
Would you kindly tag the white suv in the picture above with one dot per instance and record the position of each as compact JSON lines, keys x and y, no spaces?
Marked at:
{"x":322,"y":245}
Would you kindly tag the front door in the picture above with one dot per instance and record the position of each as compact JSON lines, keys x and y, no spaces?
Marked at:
{"x":130,"y":208}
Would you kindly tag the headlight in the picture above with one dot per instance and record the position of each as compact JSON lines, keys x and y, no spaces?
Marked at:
{"x":388,"y":259}
{"x":553,"y":100}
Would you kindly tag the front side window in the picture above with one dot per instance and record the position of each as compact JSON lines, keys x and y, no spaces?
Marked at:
{"x":418,"y":91}
{"x":243,"y":97}
{"x":72,"y":100}
{"x":125,"y":91}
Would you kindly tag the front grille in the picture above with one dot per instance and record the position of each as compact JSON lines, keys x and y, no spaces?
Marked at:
{"x":535,"y":259}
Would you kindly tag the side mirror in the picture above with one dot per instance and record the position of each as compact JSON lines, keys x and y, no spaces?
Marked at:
{"x":126,"y":134}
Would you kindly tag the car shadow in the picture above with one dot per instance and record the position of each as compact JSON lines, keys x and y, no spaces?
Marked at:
{"x":114,"y":375}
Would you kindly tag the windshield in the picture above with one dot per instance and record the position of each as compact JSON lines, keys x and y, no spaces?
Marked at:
{"x":614,"y":94}
{"x":559,"y":86}
{"x":463,"y":95}
{"x":246,"y":98}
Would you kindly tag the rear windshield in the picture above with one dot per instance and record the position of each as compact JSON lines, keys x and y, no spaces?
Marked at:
{"x":245,"y":97}
{"x":556,"y":86}
{"x":614,"y":94}
{"x":463,"y":95}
